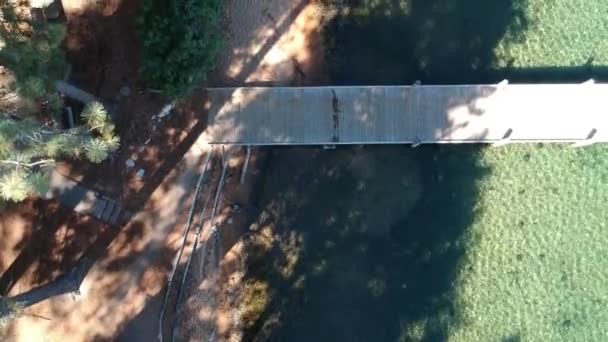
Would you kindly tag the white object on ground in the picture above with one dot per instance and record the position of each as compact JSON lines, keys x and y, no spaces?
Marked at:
{"x":166,"y":110}
{"x":130,"y":163}
{"x":40,"y":3}
{"x":141,"y":173}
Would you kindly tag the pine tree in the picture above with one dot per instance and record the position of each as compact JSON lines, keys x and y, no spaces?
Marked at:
{"x":28,"y":149}
{"x":30,"y":139}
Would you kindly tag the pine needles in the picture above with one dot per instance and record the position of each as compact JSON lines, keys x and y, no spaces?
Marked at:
{"x":30,"y":139}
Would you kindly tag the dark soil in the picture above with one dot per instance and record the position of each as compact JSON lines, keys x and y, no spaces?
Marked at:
{"x":105,"y":54}
{"x":49,"y":242}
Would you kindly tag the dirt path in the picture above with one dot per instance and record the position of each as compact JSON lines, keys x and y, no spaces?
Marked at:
{"x":271,"y":43}
{"x":129,"y":275}
{"x":274,"y":42}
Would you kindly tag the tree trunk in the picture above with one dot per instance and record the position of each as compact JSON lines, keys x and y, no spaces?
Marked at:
{"x":74,"y":92}
{"x":67,"y":283}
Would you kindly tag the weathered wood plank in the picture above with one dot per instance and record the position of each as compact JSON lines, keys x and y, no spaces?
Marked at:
{"x":408,"y":114}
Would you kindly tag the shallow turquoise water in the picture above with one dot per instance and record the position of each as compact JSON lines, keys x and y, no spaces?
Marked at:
{"x":457,"y":243}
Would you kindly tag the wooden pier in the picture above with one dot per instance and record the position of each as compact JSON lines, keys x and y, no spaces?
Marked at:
{"x":497,"y":114}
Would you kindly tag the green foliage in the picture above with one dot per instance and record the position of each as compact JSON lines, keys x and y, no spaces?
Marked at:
{"x":181,"y":40}
{"x":95,"y":114}
{"x":28,"y":150}
{"x":33,"y":53}
{"x":14,"y":185}
{"x":96,"y":150}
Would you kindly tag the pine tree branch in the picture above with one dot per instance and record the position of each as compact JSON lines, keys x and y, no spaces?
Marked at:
{"x":45,"y":161}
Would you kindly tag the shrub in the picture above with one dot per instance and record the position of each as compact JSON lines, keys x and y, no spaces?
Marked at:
{"x":181,"y":40}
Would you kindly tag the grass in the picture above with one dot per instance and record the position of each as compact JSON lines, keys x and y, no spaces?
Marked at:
{"x":441,"y":243}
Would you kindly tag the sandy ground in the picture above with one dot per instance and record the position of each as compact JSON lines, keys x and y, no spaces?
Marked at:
{"x":127,"y":278}
{"x":271,"y":43}
{"x":275,"y":42}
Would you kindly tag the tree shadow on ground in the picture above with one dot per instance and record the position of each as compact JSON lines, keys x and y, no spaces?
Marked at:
{"x":165,"y":152}
{"x":435,"y":42}
{"x":53,"y":243}
{"x":438,"y":42}
{"x":362,"y":246}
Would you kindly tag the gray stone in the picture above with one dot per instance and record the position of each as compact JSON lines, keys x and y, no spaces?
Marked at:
{"x":141,"y":173}
{"x":130,"y":163}
{"x":125,"y":91}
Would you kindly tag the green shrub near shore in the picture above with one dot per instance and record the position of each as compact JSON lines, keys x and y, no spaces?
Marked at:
{"x":181,"y":41}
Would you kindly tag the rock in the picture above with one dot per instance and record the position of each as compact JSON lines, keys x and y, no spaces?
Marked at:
{"x":235,"y":208}
{"x":125,"y":91}
{"x":130,"y":163}
{"x":166,"y":110}
{"x":229,"y":221}
{"x":134,"y":156}
{"x":141,"y":173}
{"x":141,"y":149}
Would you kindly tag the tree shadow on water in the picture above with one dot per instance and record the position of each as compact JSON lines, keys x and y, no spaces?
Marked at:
{"x":434,"y":41}
{"x":359,"y":244}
